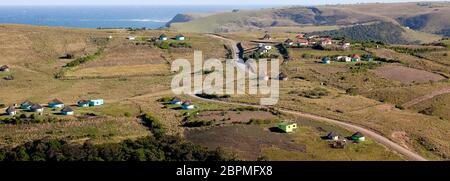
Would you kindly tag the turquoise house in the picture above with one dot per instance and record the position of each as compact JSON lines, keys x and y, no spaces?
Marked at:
{"x":176,"y":101}
{"x":83,"y":103}
{"x":96,"y":102}
{"x":67,"y":111}
{"x":55,"y":103}
{"x":163,"y":37}
{"x":187,"y":105}
{"x":26,"y":105}
{"x":180,"y":37}
{"x":326,"y":60}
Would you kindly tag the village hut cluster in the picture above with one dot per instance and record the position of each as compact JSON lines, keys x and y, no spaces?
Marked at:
{"x":162,"y":37}
{"x":337,"y":141}
{"x":4,"y":68}
{"x":302,"y":40}
{"x":29,"y":106}
{"x":185,"y":104}
{"x":343,"y":58}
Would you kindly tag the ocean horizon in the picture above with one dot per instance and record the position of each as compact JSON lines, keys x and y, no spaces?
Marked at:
{"x":147,"y":16}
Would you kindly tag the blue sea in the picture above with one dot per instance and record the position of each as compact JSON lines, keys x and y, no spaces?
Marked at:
{"x":102,"y":16}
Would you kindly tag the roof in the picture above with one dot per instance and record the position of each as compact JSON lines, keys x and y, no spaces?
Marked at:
{"x":36,"y":106}
{"x":56,"y":101}
{"x":326,"y":58}
{"x":11,"y":109}
{"x":4,"y":67}
{"x":187,"y":103}
{"x":180,"y":35}
{"x":176,"y":98}
{"x":67,"y":109}
{"x":332,"y":134}
{"x":26,"y":103}
{"x":282,"y":75}
{"x":288,"y":41}
{"x":285,"y":124}
{"x":355,"y":56}
{"x":83,"y":102}
{"x":163,"y":35}
{"x":358,"y":134}
{"x":302,"y":41}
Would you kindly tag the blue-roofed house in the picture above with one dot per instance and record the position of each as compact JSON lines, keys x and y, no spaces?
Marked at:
{"x":163,"y":37}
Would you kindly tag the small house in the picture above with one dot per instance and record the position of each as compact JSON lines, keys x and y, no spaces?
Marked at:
{"x":300,"y":35}
{"x":187,"y":105}
{"x":163,"y":37}
{"x":131,"y":38}
{"x":326,"y":60}
{"x":67,"y":111}
{"x":289,"y":42}
{"x":282,"y":76}
{"x":345,"y":45}
{"x":367,"y":57}
{"x":11,"y":110}
{"x":266,"y":37}
{"x":37,"y":108}
{"x":4,"y":68}
{"x":326,"y":41}
{"x":83,"y":103}
{"x":301,"y":43}
{"x":333,"y":136}
{"x":176,"y":101}
{"x":356,"y":58}
{"x":26,"y":105}
{"x":96,"y":102}
{"x":343,"y":59}
{"x":358,"y":137}
{"x":287,"y":127}
{"x":55,"y":103}
{"x":180,"y":37}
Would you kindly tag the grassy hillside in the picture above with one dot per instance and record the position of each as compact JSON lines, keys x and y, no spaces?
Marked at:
{"x":428,"y":17}
{"x":382,"y":31}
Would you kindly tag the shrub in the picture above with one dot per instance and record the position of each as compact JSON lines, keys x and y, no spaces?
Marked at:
{"x":315,"y":93}
{"x":153,"y":124}
{"x":198,"y":123}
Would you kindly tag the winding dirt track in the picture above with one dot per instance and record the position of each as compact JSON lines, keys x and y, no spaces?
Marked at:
{"x":426,"y":97}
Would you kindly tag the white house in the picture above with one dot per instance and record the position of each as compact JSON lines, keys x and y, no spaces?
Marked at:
{"x":37,"y":108}
{"x":131,"y":38}
{"x":11,"y":111}
{"x":343,"y":59}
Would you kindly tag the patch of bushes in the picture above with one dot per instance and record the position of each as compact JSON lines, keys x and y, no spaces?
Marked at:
{"x":83,"y":60}
{"x":155,"y":126}
{"x":263,"y":121}
{"x":352,"y":91}
{"x":32,"y":119}
{"x":198,"y":123}
{"x":167,"y":148}
{"x":213,"y":96}
{"x":315,"y":93}
{"x":164,"y":99}
{"x":398,"y":106}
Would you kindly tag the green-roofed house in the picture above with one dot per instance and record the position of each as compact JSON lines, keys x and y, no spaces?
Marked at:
{"x":163,"y":37}
{"x":287,"y":127}
{"x":180,"y":37}
{"x":26,"y":105}
{"x":83,"y":103}
{"x":358,"y":137}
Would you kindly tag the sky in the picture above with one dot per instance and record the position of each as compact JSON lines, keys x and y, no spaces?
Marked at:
{"x":190,"y":2}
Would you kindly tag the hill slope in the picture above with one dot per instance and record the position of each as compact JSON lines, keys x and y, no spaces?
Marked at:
{"x":427,"y":17}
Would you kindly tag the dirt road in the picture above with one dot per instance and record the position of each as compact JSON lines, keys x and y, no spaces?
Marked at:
{"x":426,"y":97}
